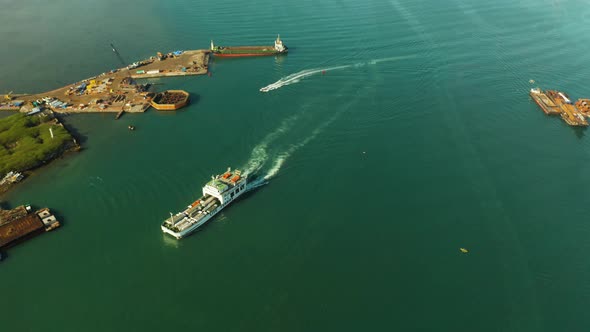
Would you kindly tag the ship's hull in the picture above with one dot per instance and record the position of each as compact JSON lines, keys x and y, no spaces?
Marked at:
{"x":169,"y":107}
{"x":246,"y":51}
{"x":201,"y":222}
{"x":218,"y":193}
{"x":181,"y":100}
{"x":555,"y":102}
{"x":545,"y":108}
{"x":227,"y":55}
{"x":188,"y":231}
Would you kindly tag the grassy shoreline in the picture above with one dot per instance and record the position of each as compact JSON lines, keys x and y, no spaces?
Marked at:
{"x":28,"y":142}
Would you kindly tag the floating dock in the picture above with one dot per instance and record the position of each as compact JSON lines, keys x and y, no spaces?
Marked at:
{"x":554,"y":102}
{"x":19,"y":224}
{"x":170,"y":100}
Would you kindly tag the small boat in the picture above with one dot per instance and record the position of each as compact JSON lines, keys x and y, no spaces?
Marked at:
{"x":463,"y":250}
{"x":131,"y":127}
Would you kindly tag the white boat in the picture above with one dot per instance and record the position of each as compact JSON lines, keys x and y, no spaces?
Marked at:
{"x":217,"y":194}
{"x":12,"y":177}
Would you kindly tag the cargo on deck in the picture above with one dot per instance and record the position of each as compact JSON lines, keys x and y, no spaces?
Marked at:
{"x":554,"y":102}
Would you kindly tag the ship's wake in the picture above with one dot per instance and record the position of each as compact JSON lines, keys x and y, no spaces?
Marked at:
{"x":259,"y":154}
{"x":282,"y":157}
{"x":294,"y":78}
{"x":297,"y":77}
{"x":268,"y":158}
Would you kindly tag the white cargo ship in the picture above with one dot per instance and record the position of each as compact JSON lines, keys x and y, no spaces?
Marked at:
{"x":217,"y":194}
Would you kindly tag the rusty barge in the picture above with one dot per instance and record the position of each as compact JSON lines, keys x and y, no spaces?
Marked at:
{"x":170,"y":100}
{"x":20,"y":224}
{"x":553,"y":102}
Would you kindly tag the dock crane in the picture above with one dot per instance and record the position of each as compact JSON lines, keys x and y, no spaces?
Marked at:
{"x":128,"y":76}
{"x":118,"y":55}
{"x":8,"y":96}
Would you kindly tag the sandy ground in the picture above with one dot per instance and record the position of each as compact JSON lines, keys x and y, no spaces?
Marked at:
{"x":110,"y":94}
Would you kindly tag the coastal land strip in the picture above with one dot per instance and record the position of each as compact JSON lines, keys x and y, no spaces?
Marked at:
{"x":113,"y":91}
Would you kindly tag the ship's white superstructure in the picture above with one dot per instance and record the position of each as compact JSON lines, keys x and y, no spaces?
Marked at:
{"x":217,"y":194}
{"x":279,"y":47}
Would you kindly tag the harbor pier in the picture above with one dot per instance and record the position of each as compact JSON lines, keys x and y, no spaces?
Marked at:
{"x":113,"y":91}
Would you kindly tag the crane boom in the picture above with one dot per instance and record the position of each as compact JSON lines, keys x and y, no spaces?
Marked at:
{"x":118,"y":56}
{"x":131,"y":81}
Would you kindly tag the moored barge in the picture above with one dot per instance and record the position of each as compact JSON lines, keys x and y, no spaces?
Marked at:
{"x":20,"y":224}
{"x":246,"y":51}
{"x":544,"y":102}
{"x":554,"y":102}
{"x":170,"y":100}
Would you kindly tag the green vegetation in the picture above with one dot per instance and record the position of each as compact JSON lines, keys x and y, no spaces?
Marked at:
{"x":25,"y":142}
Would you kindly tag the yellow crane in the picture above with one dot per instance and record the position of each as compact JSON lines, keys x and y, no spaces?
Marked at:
{"x":8,"y":96}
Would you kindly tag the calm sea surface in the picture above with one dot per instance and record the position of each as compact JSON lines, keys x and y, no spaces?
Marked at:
{"x":399,"y":132}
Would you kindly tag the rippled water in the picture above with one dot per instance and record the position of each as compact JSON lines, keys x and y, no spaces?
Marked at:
{"x":394,"y":133}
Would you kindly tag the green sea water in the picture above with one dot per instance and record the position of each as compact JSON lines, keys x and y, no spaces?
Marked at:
{"x":398,"y":132}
